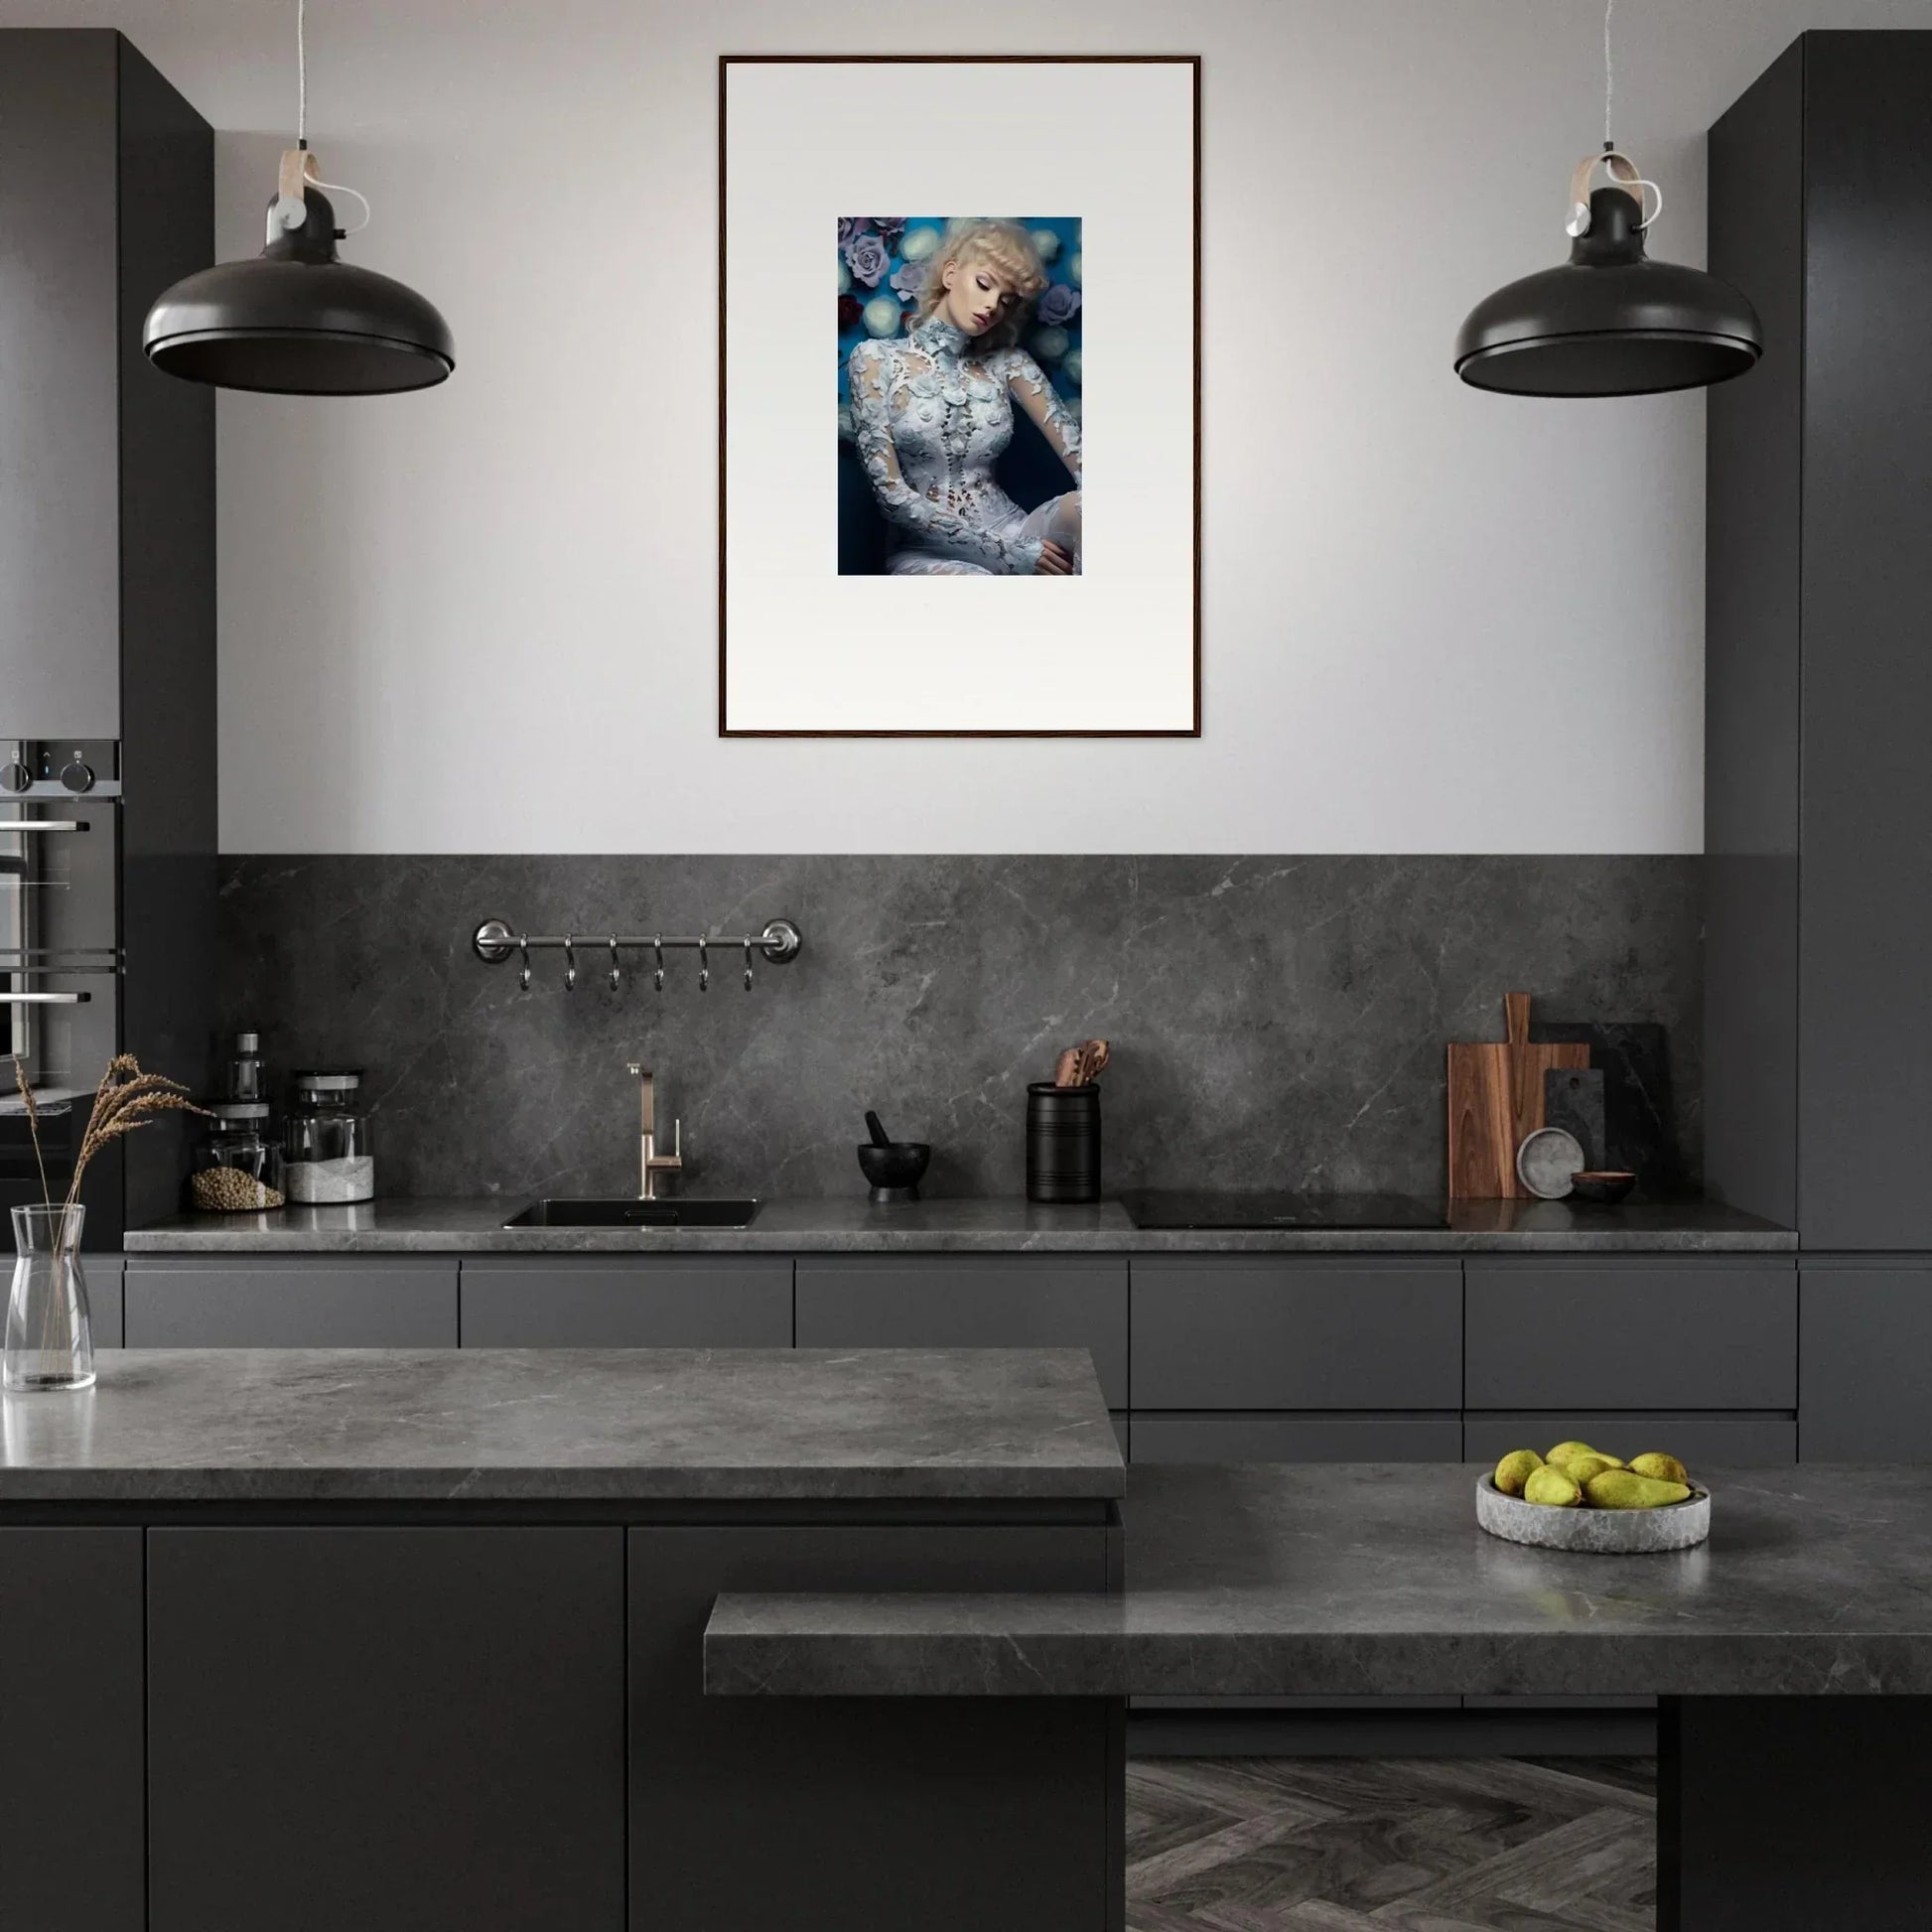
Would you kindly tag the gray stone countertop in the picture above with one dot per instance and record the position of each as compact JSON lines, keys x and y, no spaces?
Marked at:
{"x":1366,"y":1579}
{"x":565,"y":1426}
{"x":964,"y":1227}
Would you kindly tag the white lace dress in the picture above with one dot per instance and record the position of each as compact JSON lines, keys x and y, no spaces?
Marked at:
{"x":930,"y":418}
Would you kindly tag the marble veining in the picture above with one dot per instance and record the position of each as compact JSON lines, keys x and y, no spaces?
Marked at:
{"x":960,"y":1226}
{"x":563,"y":1425}
{"x":1373,"y":1579}
{"x":1276,"y":1023}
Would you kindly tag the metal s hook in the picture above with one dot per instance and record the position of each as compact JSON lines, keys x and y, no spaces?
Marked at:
{"x":704,"y":966}
{"x":657,"y":978}
{"x":570,"y":963}
{"x":523,"y":946}
{"x":617,"y":971}
{"x":748,"y":965}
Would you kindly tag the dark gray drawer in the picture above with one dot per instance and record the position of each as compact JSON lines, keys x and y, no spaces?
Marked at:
{"x":971,"y":1302}
{"x":658,"y":1301}
{"x":1866,"y":1385}
{"x":1296,"y":1438}
{"x":1737,"y":1441}
{"x":1264,"y":1332}
{"x":1552,"y":1335}
{"x":307,"y":1302}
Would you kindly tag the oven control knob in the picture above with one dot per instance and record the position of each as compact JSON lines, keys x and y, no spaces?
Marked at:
{"x":15,"y":776}
{"x":77,"y":777}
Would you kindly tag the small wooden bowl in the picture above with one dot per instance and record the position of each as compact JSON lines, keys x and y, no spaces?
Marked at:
{"x":1604,"y":1185}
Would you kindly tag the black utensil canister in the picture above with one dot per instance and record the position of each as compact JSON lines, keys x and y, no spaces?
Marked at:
{"x":1062,"y":1143}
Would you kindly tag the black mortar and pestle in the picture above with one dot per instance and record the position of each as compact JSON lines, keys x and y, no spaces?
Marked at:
{"x":893,"y":1167}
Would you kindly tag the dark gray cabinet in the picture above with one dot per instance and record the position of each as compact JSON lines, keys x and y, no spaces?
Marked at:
{"x":104,"y":1273}
{"x":741,"y":1802}
{"x":1818,"y":1081}
{"x":72,"y":1850}
{"x":971,"y":1302}
{"x":1277,"y":1438}
{"x":1268,"y":1332}
{"x":652,"y":1302}
{"x":1736,"y":1441}
{"x":1560,"y":1332}
{"x":1866,"y":1394}
{"x":314,"y":1301}
{"x":394,"y":1729}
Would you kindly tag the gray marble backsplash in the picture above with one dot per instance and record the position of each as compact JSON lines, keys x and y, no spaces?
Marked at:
{"x":1276,"y":1023}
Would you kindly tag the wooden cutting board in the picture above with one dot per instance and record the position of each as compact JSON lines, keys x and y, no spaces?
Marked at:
{"x":1495,"y":1101}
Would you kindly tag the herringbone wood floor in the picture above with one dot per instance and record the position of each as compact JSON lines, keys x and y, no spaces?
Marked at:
{"x":1391,"y":1844}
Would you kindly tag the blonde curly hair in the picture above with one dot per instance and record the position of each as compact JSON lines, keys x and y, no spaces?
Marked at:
{"x":1003,"y":245}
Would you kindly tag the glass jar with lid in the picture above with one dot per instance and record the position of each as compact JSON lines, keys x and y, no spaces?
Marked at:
{"x":329,"y":1154}
{"x":238,"y":1165}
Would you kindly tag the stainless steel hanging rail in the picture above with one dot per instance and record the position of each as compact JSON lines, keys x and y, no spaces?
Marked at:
{"x":496,"y":941}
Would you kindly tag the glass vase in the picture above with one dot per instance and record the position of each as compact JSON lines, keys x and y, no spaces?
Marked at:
{"x":50,"y":1335}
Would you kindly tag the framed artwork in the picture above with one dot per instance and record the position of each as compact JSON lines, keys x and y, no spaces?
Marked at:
{"x":971,"y":506}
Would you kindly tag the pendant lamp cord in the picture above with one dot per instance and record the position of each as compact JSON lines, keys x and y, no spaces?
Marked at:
{"x":1610,"y":73}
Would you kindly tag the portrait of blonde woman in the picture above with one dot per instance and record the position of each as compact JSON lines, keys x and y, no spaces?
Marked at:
{"x":935,"y":395}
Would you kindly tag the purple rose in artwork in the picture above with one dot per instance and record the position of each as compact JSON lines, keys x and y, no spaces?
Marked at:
{"x":851,"y":227}
{"x":1060,"y":305}
{"x":911,"y":279}
{"x":850,"y":310}
{"x":891,"y":227}
{"x":867,"y":258}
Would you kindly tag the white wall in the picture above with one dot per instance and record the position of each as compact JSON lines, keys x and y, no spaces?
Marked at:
{"x":482,"y":619}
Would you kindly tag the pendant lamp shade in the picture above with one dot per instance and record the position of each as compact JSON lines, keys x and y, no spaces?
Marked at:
{"x":1610,"y":321}
{"x":299,"y":321}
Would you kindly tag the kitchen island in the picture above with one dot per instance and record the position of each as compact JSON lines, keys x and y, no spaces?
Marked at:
{"x":413,"y":1639}
{"x":1793,"y":1651}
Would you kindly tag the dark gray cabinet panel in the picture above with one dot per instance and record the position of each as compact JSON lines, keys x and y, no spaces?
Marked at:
{"x":749,"y":1812}
{"x":1240,"y":1332}
{"x":971,"y":1302}
{"x":658,"y":1302}
{"x":104,"y":1273}
{"x":1123,"y":1433}
{"x":1555,"y":1333}
{"x":1866,"y":1394}
{"x":1738,"y":1441}
{"x":72,"y":1819}
{"x":1226,"y":1437}
{"x":381,"y":1301}
{"x":59,"y":429}
{"x":392,"y":1729}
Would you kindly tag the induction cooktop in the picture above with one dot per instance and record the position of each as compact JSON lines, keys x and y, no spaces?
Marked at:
{"x":1181,"y":1208}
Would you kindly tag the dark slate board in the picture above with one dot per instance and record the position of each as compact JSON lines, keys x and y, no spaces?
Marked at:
{"x":1634,"y":1059}
{"x":1572,"y":1099}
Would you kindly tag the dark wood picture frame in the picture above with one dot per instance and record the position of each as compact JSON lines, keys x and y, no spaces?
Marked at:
{"x":725,"y":61}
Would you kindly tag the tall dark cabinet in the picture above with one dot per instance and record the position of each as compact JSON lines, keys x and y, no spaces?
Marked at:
{"x":1819,"y":717}
{"x":108,"y":682}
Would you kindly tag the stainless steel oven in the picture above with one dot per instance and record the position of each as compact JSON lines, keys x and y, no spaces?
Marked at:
{"x":61,"y":954}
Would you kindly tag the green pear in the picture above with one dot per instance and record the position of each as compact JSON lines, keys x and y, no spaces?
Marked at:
{"x":1564,"y":1451}
{"x":1549,"y":1485}
{"x":1579,"y":1468}
{"x":1624,"y":1489}
{"x":1666,"y":1469}
{"x":1515,"y":1469}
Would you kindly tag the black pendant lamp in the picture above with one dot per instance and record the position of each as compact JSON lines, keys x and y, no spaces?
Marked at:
{"x":1610,"y":321}
{"x":298,"y":319}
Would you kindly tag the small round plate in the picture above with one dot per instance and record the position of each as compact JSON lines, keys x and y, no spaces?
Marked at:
{"x":1546,"y":1161}
{"x":1594,"y":1532}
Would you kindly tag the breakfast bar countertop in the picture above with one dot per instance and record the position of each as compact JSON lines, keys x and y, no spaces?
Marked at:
{"x":999,"y":1224}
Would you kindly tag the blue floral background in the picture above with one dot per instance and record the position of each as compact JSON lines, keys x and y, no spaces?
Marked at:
{"x":882,"y":258}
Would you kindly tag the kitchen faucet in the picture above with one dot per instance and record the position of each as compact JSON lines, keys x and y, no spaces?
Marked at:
{"x":650,"y":1163}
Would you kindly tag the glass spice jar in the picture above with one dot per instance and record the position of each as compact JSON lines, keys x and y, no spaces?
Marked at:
{"x":238,"y":1165}
{"x":328,"y":1152}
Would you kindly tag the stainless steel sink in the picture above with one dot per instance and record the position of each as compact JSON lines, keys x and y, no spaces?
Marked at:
{"x":630,"y":1212}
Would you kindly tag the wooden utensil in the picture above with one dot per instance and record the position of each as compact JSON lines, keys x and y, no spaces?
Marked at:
{"x":1495,"y":1102}
{"x":1066,"y":1070}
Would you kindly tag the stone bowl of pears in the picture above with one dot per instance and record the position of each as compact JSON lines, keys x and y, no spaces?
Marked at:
{"x":1579,"y":1499}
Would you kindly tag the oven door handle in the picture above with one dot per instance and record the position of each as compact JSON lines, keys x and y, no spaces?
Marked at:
{"x":43,"y":825}
{"x":45,"y":999}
